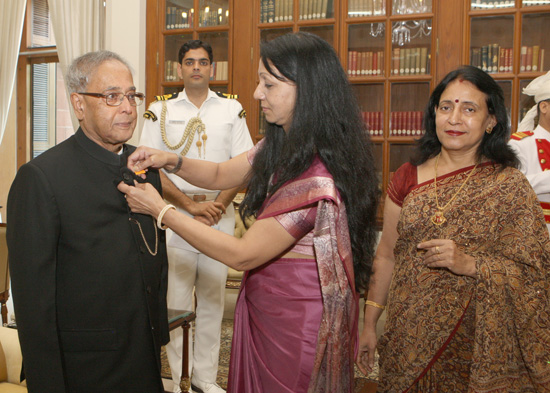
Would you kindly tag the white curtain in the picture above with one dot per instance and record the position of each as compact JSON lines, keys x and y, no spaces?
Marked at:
{"x":78,"y":29}
{"x":12,"y":14}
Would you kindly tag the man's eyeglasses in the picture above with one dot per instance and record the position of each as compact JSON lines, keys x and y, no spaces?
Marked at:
{"x":115,"y":99}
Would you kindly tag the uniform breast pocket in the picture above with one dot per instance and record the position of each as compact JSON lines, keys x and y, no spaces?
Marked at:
{"x":218,"y":137}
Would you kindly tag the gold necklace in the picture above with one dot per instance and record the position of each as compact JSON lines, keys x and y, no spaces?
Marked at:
{"x":439,"y":218}
{"x":194,"y":124}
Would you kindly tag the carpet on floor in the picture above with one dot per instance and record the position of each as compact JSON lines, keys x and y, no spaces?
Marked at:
{"x":363,"y":384}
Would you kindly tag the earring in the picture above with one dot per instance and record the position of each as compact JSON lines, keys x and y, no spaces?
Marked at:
{"x":489,"y":130}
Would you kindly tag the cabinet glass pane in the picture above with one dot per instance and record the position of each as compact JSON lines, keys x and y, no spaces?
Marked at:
{"x":316,"y":9}
{"x":220,"y":48}
{"x":366,"y":50}
{"x":361,"y":8}
{"x":179,"y":14}
{"x":269,"y":34}
{"x":213,"y":13}
{"x":525,"y":102}
{"x":325,"y":32}
{"x":378,"y":153}
{"x":491,"y":41}
{"x":399,"y":154}
{"x":406,"y":7}
{"x":507,"y":89}
{"x":372,"y":110}
{"x":411,"y":47}
{"x":172,"y":44}
{"x":491,"y":5}
{"x":530,"y":3}
{"x":535,"y":46}
{"x":407,"y":107}
{"x":276,"y":11}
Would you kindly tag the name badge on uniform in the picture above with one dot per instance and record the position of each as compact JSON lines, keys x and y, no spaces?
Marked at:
{"x":176,"y":121}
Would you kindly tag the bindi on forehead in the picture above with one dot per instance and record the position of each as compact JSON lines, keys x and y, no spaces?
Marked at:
{"x":456,"y":100}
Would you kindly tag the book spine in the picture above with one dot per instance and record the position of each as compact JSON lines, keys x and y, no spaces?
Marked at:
{"x":270,"y":11}
{"x":523,"y":58}
{"x":324,"y":9}
{"x":536,"y":50}
{"x":395,"y":61}
{"x":484,"y":58}
{"x":423,"y":60}
{"x":495,"y":57}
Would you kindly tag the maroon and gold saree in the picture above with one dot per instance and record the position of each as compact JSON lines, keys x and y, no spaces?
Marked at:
{"x":451,"y":333}
{"x":296,"y":319}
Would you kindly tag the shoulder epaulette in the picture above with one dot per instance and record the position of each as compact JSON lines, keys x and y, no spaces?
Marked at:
{"x":150,"y":115}
{"x":166,"y":97}
{"x":242,"y":114}
{"x":227,"y":95}
{"x":518,"y":136}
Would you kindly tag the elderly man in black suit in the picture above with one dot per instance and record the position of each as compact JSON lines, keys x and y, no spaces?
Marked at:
{"x":89,"y":277}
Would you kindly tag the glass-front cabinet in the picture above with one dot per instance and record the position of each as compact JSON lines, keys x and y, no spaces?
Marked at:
{"x":184,"y":20}
{"x":509,"y":40}
{"x":393,"y":51}
{"x":388,"y":58}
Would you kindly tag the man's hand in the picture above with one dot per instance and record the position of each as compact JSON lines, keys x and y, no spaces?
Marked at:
{"x":209,"y":213}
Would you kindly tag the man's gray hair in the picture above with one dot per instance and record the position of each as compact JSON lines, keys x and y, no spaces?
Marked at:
{"x":80,"y":70}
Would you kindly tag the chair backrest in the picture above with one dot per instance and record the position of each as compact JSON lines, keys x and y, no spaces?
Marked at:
{"x":4,"y":271}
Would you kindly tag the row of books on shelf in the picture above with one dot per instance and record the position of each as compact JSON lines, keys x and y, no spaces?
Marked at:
{"x":179,"y":18}
{"x":276,"y":11}
{"x":272,"y":11}
{"x":493,"y":58}
{"x":410,"y":61}
{"x":365,"y":63}
{"x":406,"y":123}
{"x":220,"y":71}
{"x":362,"y":8}
{"x":492,"y":4}
{"x":402,"y":123}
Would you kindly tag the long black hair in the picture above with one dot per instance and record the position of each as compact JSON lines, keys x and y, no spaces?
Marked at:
{"x":326,"y":121}
{"x":493,"y":146}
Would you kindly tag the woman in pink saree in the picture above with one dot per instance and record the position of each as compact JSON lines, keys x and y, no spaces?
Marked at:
{"x":311,"y":184}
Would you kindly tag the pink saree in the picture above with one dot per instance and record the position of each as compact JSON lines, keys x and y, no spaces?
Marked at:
{"x":296,"y":319}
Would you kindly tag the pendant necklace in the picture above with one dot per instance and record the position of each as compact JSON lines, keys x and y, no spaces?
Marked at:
{"x":439,"y":216}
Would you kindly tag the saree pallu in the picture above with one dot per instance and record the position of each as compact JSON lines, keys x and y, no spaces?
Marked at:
{"x":491,"y":333}
{"x":296,"y":319}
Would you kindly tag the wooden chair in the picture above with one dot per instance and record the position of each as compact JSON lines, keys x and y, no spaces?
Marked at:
{"x":183,"y":319}
{"x":4,"y":274}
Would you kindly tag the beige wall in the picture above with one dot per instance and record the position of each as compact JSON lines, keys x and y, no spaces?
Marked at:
{"x":8,"y":162}
{"x":125,"y":34}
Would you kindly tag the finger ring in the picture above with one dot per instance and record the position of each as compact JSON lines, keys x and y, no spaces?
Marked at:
{"x":437,"y":250}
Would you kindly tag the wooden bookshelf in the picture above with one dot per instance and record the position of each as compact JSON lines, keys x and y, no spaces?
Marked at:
{"x":392,"y":81}
{"x":508,"y":40}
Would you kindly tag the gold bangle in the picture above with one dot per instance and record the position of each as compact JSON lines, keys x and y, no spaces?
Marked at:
{"x":374,"y":304}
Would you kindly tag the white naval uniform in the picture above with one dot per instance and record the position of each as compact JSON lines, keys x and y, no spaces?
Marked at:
{"x":528,"y":154}
{"x":227,"y":137}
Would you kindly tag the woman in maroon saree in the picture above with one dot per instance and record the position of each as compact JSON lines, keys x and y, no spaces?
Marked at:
{"x":464,"y":259}
{"x":311,"y":184}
